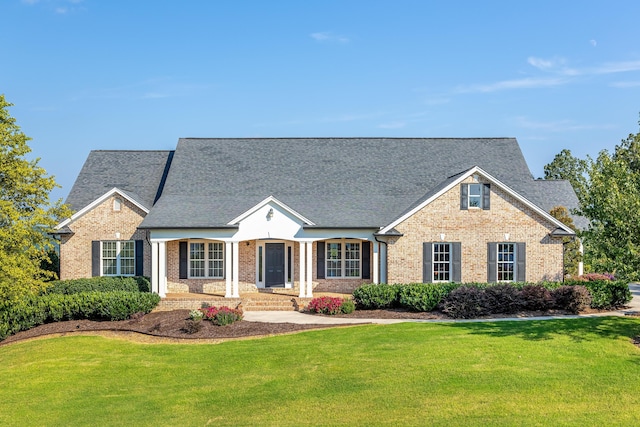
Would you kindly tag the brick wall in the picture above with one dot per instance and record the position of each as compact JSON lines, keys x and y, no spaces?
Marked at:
{"x":101,"y":223}
{"x":474,"y":228}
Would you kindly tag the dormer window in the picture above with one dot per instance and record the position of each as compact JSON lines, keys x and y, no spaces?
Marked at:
{"x":475,"y":196}
{"x":117,"y":204}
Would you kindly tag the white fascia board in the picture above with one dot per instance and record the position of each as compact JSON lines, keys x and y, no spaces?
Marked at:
{"x":269,"y":199}
{"x":97,"y":202}
{"x":462,"y":177}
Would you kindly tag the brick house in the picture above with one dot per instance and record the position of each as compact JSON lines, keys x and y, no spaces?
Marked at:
{"x":315,"y":214}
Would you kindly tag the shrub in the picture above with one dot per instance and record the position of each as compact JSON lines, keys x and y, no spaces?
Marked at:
{"x":372,"y":297}
{"x":348,"y":306}
{"x":571,"y":298}
{"x":606,"y":294}
{"x":196,"y":314}
{"x":144,"y":283}
{"x":424,"y":296}
{"x":222,"y":316}
{"x":192,"y":326}
{"x":501,"y":298}
{"x":325,"y":305}
{"x":590,"y":277}
{"x":465,"y":302}
{"x":536,"y":297}
{"x":94,"y":284}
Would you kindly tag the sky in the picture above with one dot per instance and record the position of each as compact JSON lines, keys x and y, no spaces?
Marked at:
{"x":120,"y":74}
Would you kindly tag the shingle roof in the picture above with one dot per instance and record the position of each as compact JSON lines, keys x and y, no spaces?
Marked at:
{"x":138,"y":173}
{"x":335,"y":182}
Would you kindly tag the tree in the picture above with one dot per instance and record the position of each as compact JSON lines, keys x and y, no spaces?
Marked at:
{"x":26,"y":215}
{"x":572,"y":255}
{"x":573,"y":169}
{"x":612,"y":205}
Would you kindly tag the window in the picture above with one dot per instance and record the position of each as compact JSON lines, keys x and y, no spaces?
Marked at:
{"x":117,"y":204}
{"x":343,"y":259}
{"x":441,"y":262}
{"x":206,"y":260}
{"x":475,"y":196}
{"x":506,"y":262}
{"x":118,"y":258}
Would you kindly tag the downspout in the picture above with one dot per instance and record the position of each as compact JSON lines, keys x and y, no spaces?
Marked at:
{"x":386,"y":251}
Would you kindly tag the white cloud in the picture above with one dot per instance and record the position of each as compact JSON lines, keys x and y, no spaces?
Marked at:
{"x":392,"y":125}
{"x":593,"y":42}
{"x":328,"y":37}
{"x":557,"y":126}
{"x":623,"y":85}
{"x":554,"y":65}
{"x":617,"y":67}
{"x":526,"y":83}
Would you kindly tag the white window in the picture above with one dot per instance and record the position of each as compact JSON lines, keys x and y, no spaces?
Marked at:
{"x":441,"y":262}
{"x":118,"y":258}
{"x":343,"y":259}
{"x":506,"y":262}
{"x":206,"y":259}
{"x":475,"y":195}
{"x":117,"y":204}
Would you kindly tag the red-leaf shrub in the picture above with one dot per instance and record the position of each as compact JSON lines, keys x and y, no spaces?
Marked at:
{"x":329,"y":305}
{"x":536,"y":297}
{"x":222,"y":315}
{"x":572,"y":298}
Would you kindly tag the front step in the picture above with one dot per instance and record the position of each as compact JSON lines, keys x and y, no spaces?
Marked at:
{"x":247,"y":303}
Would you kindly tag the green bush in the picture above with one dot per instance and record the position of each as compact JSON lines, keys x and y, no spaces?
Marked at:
{"x":607,"y":294}
{"x":348,"y":306}
{"x":424,"y":296}
{"x":372,"y":297}
{"x":144,"y":283}
{"x":94,"y":284}
{"x":33,"y":311}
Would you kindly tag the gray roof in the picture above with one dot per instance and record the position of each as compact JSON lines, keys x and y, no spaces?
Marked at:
{"x":138,"y":173}
{"x":335,"y":182}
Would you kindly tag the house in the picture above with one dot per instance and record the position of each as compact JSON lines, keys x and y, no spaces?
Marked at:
{"x":314,"y":214}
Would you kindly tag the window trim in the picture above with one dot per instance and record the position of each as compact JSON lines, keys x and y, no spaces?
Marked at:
{"x":435,"y":262}
{"x":343,"y":258}
{"x":118,"y":258}
{"x":513,"y":262}
{"x":206,"y":259}
{"x":477,"y":196}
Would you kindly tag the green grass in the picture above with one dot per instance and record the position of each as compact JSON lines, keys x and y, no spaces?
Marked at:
{"x":578,"y":372}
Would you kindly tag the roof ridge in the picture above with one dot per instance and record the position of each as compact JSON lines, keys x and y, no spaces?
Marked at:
{"x":352,"y":137}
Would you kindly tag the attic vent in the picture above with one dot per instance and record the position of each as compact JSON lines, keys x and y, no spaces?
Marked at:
{"x":117,"y":204}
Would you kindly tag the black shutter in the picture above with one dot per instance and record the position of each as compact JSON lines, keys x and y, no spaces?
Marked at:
{"x":366,"y":260}
{"x":184,"y":260}
{"x":486,"y":196}
{"x":139,"y":257}
{"x":95,"y":258}
{"x":492,"y":255}
{"x":464,"y":196}
{"x":320,"y":260}
{"x":521,"y":255}
{"x":456,"y":262}
{"x":427,"y":263}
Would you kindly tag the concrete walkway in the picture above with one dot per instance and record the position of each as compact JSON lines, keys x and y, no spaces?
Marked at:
{"x":304,"y":318}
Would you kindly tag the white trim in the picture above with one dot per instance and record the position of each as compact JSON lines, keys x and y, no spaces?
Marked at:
{"x":118,"y":258}
{"x":288,"y":284}
{"x":97,"y":202}
{"x":462,"y":177}
{"x":266,"y":201}
{"x":343,"y":258}
{"x":206,"y":259}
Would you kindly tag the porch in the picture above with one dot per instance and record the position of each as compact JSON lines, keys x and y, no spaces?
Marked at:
{"x":264,"y":300}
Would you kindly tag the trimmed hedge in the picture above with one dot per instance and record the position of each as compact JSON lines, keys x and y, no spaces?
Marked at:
{"x":372,"y":297}
{"x":424,"y":296}
{"x":606,"y":294}
{"x":112,"y":305}
{"x":98,"y":284}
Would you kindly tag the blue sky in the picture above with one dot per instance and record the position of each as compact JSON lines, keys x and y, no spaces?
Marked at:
{"x":122,"y":74}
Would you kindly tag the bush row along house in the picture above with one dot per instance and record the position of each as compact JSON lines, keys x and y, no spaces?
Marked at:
{"x":314,"y":214}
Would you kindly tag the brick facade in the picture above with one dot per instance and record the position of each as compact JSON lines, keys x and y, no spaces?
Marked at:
{"x":101,"y":223}
{"x":474,"y":228}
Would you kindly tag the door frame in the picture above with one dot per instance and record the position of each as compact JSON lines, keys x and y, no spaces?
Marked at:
{"x":289,"y":262}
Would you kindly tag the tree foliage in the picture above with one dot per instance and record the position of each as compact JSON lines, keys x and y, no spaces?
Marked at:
{"x":572,"y":255}
{"x":26,"y":214}
{"x":573,"y":169}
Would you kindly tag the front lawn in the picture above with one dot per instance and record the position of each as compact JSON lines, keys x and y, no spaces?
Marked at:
{"x":556,"y":372}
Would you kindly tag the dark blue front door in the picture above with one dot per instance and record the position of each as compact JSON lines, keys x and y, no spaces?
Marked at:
{"x":274,"y":264}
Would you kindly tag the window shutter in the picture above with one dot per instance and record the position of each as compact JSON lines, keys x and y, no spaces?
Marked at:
{"x":521,"y":259}
{"x":492,"y":255}
{"x":427,"y":262}
{"x":366,"y":260}
{"x":456,"y":262}
{"x":464,"y":196}
{"x":486,"y":195}
{"x":95,"y":258}
{"x":184,"y":260}
{"x":139,"y":257}
{"x":320,"y":260}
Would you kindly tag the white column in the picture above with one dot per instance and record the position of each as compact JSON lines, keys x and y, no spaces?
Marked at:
{"x":154,"y":268}
{"x":309,"y":269}
{"x":228,"y":269}
{"x":383,"y":263}
{"x":236,"y":268}
{"x":581,"y":264}
{"x":302,"y":270}
{"x":376,"y":263}
{"x":162,"y":269}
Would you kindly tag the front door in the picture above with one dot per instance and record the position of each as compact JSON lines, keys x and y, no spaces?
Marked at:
{"x":274,"y":264}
